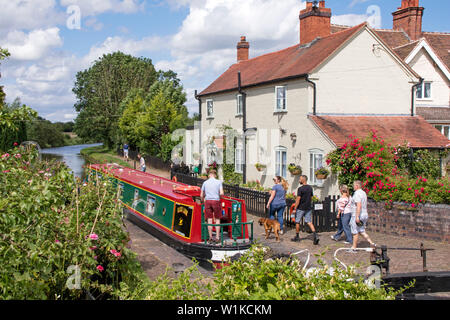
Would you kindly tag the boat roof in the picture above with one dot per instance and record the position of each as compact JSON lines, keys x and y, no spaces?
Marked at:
{"x":144,"y":180}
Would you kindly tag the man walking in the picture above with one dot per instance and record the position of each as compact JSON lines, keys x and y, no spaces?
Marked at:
{"x":359,"y":215}
{"x":212,"y":190}
{"x":303,"y":208}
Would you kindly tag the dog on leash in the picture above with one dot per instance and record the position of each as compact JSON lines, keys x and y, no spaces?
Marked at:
{"x":270,"y":226}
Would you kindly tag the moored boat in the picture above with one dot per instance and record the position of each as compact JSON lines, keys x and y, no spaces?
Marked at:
{"x":173,"y":213}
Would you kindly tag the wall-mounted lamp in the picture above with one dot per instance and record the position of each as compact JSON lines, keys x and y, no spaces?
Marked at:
{"x":293,"y":136}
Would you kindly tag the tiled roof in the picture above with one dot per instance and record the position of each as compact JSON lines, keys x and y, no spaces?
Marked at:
{"x":394,"y":129}
{"x":295,"y":61}
{"x":404,"y":51}
{"x":393,"y":38}
{"x":440,"y":42}
{"x":434,"y":114}
{"x":403,"y":45}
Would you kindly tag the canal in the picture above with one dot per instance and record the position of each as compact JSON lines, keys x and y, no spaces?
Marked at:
{"x":70,"y":155}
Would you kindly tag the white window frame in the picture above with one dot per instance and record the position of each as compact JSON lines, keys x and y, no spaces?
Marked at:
{"x":239,"y":105}
{"x":148,"y":208}
{"x":422,"y":87}
{"x":239,"y":157}
{"x":209,"y":116}
{"x":276,"y":109}
{"x":313,"y":153}
{"x":279,"y":170}
{"x":442,"y":129}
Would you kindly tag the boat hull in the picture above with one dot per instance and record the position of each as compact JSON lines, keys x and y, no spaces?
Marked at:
{"x":208,"y":256}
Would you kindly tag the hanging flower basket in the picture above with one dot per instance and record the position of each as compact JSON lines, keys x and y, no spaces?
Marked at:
{"x":260,"y":167}
{"x":295,"y":169}
{"x":322,"y":173}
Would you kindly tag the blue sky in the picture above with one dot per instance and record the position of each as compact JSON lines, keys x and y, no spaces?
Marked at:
{"x":195,"y":38}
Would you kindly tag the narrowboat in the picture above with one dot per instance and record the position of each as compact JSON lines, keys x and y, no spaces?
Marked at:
{"x":173,"y":213}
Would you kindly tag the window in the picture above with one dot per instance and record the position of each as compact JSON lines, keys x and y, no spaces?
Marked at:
{"x":281,"y":161}
{"x":239,"y":157}
{"x":239,"y":105}
{"x":315,"y":162}
{"x":150,"y":207}
{"x":121,"y":187}
{"x":211,"y":153}
{"x":424,"y":91}
{"x":136,"y":195}
{"x":209,"y":109}
{"x":280,"y":93}
{"x":445,"y":130}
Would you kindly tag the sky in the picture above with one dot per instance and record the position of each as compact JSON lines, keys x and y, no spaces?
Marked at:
{"x":51,"y":40}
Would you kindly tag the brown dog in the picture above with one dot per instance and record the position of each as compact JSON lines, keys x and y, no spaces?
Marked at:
{"x":270,"y":226}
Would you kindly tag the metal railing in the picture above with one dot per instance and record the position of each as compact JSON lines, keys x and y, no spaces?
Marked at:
{"x":240,"y":225}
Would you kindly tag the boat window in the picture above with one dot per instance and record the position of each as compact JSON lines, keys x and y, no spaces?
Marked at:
{"x":151,"y":203}
{"x":120,"y":190}
{"x":136,"y":194}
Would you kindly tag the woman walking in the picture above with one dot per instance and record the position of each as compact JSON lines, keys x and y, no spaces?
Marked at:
{"x":344,"y":215}
{"x":277,"y":201}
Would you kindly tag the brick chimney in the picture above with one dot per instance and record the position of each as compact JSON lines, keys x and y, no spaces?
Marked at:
{"x":409,"y":18}
{"x":315,"y":21}
{"x":243,"y":49}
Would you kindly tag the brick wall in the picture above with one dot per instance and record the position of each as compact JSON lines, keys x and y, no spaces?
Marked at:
{"x":429,"y":222}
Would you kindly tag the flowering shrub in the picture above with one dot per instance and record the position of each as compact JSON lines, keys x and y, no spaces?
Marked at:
{"x":49,"y":223}
{"x":385,"y":174}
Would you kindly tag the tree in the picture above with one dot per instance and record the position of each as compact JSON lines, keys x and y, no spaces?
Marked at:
{"x":101,"y":89}
{"x":3,"y":55}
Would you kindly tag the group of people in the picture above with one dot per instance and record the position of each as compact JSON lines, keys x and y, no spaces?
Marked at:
{"x":352,"y":211}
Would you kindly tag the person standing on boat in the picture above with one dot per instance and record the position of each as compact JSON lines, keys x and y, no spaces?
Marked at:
{"x":141,"y":162}
{"x":303,"y":208}
{"x":212,"y":190}
{"x":277,"y":200}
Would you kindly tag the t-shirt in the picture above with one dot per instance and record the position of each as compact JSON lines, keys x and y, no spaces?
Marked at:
{"x":360,"y":197}
{"x":280,"y":195}
{"x":142,"y":162}
{"x":305,"y":193}
{"x":211,"y":189}
{"x":125,"y":147}
{"x":345,"y":205}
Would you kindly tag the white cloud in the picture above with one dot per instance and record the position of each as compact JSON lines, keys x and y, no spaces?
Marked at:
{"x":29,"y":14}
{"x":33,"y":45}
{"x":372,"y":16}
{"x":95,"y":7}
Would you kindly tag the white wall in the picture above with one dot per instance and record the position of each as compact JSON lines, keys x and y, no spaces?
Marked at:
{"x":424,"y":65}
{"x":361,"y":80}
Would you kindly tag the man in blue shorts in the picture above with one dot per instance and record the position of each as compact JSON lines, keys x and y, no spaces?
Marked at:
{"x":303,"y":208}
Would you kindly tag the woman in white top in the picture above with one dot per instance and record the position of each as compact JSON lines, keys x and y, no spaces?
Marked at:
{"x":344,"y":215}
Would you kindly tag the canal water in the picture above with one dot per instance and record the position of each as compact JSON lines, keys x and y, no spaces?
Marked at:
{"x":70,"y":155}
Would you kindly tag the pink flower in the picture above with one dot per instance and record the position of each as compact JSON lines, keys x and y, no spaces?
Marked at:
{"x":6,"y":171}
{"x":115,"y":252}
{"x":93,"y":248}
{"x":15,"y":144}
{"x":100,"y":268}
{"x":413,"y":205}
{"x":18,"y":156}
{"x":6,"y":155}
{"x":57,"y":241}
{"x":93,"y":236}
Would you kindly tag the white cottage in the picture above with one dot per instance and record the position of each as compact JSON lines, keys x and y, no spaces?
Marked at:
{"x":298,"y":104}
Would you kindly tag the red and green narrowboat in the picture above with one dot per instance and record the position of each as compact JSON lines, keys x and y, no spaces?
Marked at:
{"x":173,"y":213}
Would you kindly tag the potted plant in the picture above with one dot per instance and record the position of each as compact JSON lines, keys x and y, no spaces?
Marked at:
{"x":322,"y":173}
{"x":260,"y":167}
{"x":295,"y":169}
{"x":212,"y":166}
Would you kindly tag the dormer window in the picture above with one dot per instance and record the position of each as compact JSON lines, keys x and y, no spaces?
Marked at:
{"x":424,"y":91}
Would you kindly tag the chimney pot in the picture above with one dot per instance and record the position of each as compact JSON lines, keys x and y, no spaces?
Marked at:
{"x":243,"y":48}
{"x":314,"y":22}
{"x":409,"y":18}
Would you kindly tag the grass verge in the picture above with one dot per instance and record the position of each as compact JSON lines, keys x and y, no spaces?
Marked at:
{"x":101,"y":154}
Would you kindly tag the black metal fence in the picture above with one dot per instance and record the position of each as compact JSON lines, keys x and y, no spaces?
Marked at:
{"x":324,"y":213}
